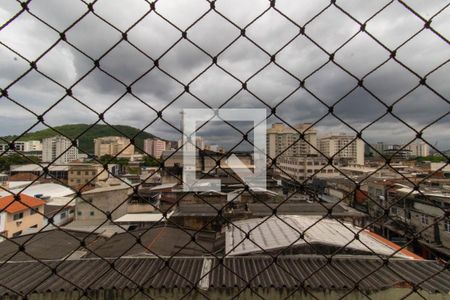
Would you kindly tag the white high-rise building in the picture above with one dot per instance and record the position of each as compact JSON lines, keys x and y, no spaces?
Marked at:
{"x":419,"y":149}
{"x":345,"y":148}
{"x":54,"y":150}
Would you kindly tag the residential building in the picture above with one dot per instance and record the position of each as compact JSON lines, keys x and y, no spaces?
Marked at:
{"x":113,"y":145}
{"x":59,"y":150}
{"x":397,"y":152}
{"x":23,"y":146}
{"x":93,"y":204}
{"x":58,"y":172}
{"x":343,"y":147}
{"x":377,"y":149}
{"x":155,"y":147}
{"x":419,"y":149}
{"x":296,"y":168}
{"x":17,"y":216}
{"x":60,"y":209}
{"x":85,"y":173}
{"x":288,"y":141}
{"x":190,"y":147}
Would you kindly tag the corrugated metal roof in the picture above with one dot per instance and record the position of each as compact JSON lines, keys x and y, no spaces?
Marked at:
{"x":142,"y":217}
{"x":45,"y":189}
{"x":279,"y":232}
{"x":289,"y":272}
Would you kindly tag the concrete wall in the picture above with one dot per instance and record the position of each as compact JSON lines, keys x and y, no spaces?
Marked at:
{"x":12,"y":226}
{"x":93,"y":204}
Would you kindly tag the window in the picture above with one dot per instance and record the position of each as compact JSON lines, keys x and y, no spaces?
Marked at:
{"x":91,"y":213}
{"x":34,"y":226}
{"x":447,"y":225}
{"x":79,"y":213}
{"x":18,"y":216}
{"x":33,"y":211}
{"x":78,"y":172}
{"x":63,"y":215}
{"x":424,"y":219}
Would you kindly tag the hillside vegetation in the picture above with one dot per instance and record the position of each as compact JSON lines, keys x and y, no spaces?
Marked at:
{"x":86,"y":140}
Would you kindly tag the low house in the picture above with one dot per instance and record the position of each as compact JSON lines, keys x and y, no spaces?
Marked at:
{"x":18,"y":215}
{"x":81,"y":174}
{"x":60,"y":209}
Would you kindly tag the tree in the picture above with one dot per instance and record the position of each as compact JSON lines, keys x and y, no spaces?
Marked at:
{"x":15,"y":159}
{"x":150,"y":161}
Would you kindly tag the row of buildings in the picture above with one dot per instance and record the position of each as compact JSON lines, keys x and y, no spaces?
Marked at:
{"x":415,"y":149}
{"x":61,"y":150}
{"x":302,"y":140}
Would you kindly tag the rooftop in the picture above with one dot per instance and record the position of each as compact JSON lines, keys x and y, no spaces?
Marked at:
{"x":51,"y":244}
{"x":230,"y":275}
{"x":12,"y":206}
{"x":38,"y":168}
{"x":44,"y":189}
{"x":284,"y":233}
{"x":142,"y":218}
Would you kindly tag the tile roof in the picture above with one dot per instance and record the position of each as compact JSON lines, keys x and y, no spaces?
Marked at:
{"x":10,"y":205}
{"x":311,"y":272}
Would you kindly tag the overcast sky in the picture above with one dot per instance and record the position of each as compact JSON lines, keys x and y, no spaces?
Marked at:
{"x":154,"y":36}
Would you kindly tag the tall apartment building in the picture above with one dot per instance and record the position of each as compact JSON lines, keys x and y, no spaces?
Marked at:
{"x":155,"y":147}
{"x":59,"y":149}
{"x":113,"y":145}
{"x":199,"y":144}
{"x":345,"y":148}
{"x":419,"y":149}
{"x":281,"y":137}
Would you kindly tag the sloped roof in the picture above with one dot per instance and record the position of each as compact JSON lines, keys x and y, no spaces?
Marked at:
{"x":10,"y":205}
{"x":280,"y":232}
{"x":311,"y":272}
{"x":45,"y":189}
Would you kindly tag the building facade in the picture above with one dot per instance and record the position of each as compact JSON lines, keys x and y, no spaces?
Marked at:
{"x":18,"y":216}
{"x":59,"y":150}
{"x":343,"y":147}
{"x":305,"y":168}
{"x":113,"y":145}
{"x":155,"y":147}
{"x":84,"y":173}
{"x":287,"y":141}
{"x":419,"y":149}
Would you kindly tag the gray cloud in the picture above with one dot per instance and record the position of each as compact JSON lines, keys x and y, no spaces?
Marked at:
{"x":154,"y":36}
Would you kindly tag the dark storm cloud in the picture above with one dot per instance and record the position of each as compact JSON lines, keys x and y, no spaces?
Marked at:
{"x":154,"y":36}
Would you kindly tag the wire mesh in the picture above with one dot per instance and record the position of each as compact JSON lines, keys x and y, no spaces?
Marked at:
{"x":332,"y":50}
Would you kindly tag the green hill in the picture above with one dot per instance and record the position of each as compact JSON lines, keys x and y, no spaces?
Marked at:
{"x":86,"y":140}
